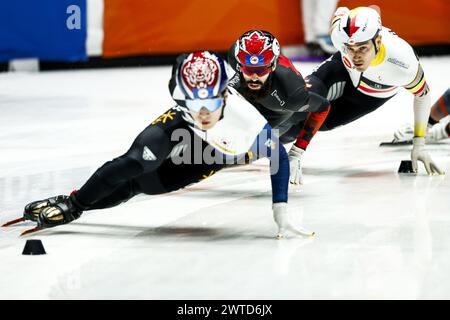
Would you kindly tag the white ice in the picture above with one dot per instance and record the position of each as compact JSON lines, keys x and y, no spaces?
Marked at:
{"x":379,"y":235}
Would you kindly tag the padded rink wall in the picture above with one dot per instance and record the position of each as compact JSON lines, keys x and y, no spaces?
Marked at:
{"x":140,"y":27}
{"x":125,"y":29}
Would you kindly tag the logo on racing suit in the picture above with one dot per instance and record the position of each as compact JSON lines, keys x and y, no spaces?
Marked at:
{"x":166,"y":116}
{"x":398,"y":63}
{"x":275,"y":94}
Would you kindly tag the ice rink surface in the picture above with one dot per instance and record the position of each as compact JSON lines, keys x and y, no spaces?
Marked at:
{"x":379,"y":235}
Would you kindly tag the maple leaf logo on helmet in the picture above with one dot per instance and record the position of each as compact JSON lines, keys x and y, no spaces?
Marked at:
{"x":255,"y":43}
{"x":257,"y":48}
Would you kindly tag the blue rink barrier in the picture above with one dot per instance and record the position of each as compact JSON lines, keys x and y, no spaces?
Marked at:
{"x":52,"y":30}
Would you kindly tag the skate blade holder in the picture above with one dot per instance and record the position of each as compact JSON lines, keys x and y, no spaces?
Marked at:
{"x":406,"y":167}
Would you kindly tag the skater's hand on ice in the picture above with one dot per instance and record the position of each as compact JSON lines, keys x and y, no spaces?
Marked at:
{"x":419,"y":153}
{"x":295,"y":165}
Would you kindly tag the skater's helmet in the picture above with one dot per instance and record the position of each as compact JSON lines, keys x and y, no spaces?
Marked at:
{"x":256,"y":51}
{"x":358,"y":26}
{"x":203,"y":79}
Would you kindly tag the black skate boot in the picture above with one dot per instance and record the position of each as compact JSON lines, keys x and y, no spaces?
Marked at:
{"x":34,"y":209}
{"x":64,"y":210}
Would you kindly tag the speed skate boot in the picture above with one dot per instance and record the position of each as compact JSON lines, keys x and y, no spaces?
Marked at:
{"x":64,"y":210}
{"x":435,"y":133}
{"x":405,"y":133}
{"x":34,"y":209}
{"x":439,"y":131}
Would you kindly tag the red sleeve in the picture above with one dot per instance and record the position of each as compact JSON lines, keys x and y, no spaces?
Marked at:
{"x":312,"y":124}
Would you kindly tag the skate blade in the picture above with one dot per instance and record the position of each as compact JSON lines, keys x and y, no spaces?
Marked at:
{"x":297,"y":231}
{"x":305,"y":233}
{"x":10,"y":223}
{"x":30,"y":231}
{"x":395,"y":143}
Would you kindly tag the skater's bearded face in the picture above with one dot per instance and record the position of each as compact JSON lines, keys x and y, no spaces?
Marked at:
{"x":255,"y":79}
{"x":362,"y":54}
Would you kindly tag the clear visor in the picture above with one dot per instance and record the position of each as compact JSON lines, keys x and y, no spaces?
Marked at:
{"x":210,"y":104}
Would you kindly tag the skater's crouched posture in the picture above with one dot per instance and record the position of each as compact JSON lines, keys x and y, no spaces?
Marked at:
{"x":211,"y":127}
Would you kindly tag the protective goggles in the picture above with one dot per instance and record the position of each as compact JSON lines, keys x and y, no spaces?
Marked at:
{"x":210,"y":104}
{"x":259,"y":71}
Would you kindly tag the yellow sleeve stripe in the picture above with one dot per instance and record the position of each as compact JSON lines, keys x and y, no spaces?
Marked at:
{"x":419,"y":86}
{"x":420,"y":129}
{"x":418,"y":78}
